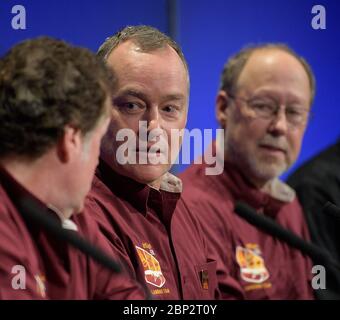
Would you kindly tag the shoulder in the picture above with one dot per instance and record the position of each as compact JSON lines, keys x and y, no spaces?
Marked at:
{"x":16,"y":244}
{"x":212,"y":208}
{"x":205,"y":192}
{"x":102,"y":204}
{"x":193,"y":174}
{"x":99,"y":192}
{"x":10,"y":220}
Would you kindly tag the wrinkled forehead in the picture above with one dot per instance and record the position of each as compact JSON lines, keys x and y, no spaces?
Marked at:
{"x":161,"y":69}
{"x":274,"y":68}
{"x":130,"y":53}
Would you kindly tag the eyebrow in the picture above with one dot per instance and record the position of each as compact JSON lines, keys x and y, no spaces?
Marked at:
{"x":143,"y":96}
{"x":174,"y":97}
{"x":134,"y":93}
{"x":272,"y":96}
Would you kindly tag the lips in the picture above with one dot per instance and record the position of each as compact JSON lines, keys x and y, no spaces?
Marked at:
{"x":149,"y":150}
{"x":272,"y":148}
{"x":152,"y":156}
{"x":154,"y":148}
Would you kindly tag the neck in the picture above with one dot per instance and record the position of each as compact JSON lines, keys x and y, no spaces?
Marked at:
{"x":155,"y":184}
{"x":35,"y":175}
{"x":256,"y":182}
{"x":259,"y":183}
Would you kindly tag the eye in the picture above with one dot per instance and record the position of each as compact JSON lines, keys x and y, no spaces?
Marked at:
{"x":296,"y":115}
{"x":170,"y":109}
{"x":130,"y":107}
{"x":263,"y":106}
{"x":294,"y":112}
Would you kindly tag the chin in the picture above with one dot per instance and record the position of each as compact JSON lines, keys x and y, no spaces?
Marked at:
{"x":78,"y":209}
{"x":145,"y":173}
{"x":270,"y":171}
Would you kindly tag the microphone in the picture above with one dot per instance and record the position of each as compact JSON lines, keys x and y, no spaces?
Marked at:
{"x":31,"y":212}
{"x":268,"y":225}
{"x":331,"y":209}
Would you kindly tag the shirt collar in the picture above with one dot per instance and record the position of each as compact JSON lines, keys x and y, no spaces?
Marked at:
{"x":171,"y":183}
{"x":275,"y":187}
{"x":138,"y":194}
{"x":270,"y":199}
{"x":273,"y":196}
{"x":67,"y":224}
{"x":279,"y":190}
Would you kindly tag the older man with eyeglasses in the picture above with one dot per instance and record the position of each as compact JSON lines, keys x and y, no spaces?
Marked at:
{"x":263,"y":105}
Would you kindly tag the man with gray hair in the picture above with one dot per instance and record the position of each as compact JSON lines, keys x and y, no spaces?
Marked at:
{"x":263,"y":105}
{"x":138,"y":204}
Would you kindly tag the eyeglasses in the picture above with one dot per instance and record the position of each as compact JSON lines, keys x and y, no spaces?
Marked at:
{"x":267,"y":108}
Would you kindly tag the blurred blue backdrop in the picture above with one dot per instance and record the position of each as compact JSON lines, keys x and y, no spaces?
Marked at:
{"x":209,"y":31}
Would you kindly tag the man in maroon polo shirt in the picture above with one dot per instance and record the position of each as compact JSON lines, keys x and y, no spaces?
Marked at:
{"x":54,"y":110}
{"x":263,"y":106}
{"x":138,"y":204}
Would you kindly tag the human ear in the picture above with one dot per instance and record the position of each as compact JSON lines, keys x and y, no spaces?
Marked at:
{"x":69,"y":145}
{"x":222,"y":103}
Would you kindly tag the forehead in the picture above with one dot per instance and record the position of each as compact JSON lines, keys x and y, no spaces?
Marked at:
{"x":160,"y":70}
{"x":274,"y":69}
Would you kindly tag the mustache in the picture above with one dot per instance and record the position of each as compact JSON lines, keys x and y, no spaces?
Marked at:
{"x":278,"y":143}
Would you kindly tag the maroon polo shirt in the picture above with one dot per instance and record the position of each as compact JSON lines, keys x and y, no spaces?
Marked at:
{"x":263,"y":267}
{"x":155,"y":234}
{"x":52,"y":269}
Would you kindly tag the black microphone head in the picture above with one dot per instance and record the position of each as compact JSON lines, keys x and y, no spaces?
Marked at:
{"x":261,"y":221}
{"x":331,"y":209}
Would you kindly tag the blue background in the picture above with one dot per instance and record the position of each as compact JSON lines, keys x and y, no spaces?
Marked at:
{"x":209,"y":32}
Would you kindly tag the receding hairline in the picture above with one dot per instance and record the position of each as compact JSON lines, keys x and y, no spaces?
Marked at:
{"x":146,"y":37}
{"x":271,"y":50}
{"x":139,"y":49}
{"x":235,"y":65}
{"x":166,"y":48}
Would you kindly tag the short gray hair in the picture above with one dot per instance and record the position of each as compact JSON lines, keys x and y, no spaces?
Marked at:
{"x":147,"y":37}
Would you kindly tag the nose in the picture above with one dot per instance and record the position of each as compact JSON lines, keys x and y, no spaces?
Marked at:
{"x":152,"y":117}
{"x":279,"y":123}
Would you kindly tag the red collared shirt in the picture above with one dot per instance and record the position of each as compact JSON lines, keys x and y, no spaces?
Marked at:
{"x":153,"y":231}
{"x":33,"y":265}
{"x":250,"y":263}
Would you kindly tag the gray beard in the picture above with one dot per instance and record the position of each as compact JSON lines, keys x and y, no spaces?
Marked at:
{"x":251,"y":166}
